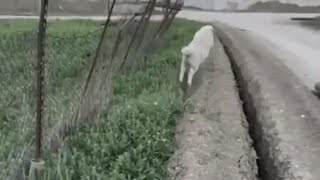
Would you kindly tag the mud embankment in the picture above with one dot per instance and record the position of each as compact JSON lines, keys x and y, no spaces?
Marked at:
{"x":212,"y":138}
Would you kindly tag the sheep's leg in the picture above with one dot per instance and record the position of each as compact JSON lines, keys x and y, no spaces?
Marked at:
{"x":192,"y":71}
{"x":182,"y":71}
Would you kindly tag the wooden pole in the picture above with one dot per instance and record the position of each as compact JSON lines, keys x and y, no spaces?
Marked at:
{"x":37,"y":164}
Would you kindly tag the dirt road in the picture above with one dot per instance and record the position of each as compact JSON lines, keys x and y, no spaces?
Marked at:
{"x":213,"y":139}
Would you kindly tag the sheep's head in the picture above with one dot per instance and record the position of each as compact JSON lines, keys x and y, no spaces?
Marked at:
{"x":209,"y":27}
{"x":317,"y":87}
{"x":186,"y":51}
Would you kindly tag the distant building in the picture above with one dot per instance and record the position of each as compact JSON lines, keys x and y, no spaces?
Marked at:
{"x":214,"y":4}
{"x":18,"y":6}
{"x":247,"y":3}
{"x":232,"y":5}
{"x":200,"y":4}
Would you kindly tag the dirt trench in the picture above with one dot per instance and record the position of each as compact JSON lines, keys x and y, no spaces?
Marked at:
{"x":212,"y":138}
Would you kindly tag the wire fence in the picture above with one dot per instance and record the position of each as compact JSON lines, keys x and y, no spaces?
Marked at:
{"x":82,"y":58}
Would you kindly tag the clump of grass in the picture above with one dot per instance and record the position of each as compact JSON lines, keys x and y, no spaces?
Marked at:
{"x":134,"y":140}
{"x":66,"y":62}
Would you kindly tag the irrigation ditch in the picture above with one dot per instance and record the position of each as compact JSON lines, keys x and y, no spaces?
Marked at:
{"x":250,"y":113}
{"x":281,"y":112}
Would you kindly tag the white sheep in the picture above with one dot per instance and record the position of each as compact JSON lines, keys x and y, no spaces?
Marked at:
{"x":196,"y":52}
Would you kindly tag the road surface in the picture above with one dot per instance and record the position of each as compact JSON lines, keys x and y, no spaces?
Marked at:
{"x":297,"y":45}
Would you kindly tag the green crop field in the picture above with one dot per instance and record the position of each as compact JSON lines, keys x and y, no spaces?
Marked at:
{"x":135,"y":139}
